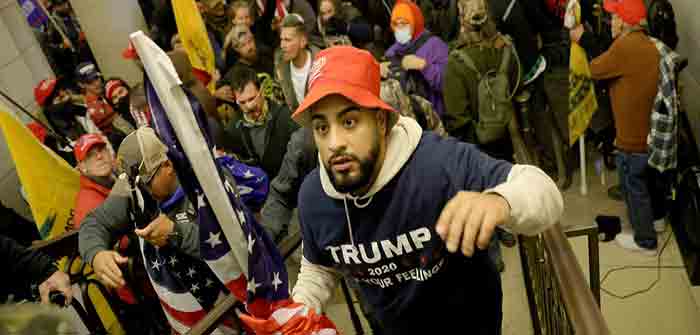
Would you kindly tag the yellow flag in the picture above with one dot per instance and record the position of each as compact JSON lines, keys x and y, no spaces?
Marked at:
{"x":51,"y":186}
{"x":49,"y":183}
{"x":582,"y":98}
{"x":194,"y":37}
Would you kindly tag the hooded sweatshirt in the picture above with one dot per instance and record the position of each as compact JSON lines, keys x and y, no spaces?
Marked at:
{"x":386,"y":239}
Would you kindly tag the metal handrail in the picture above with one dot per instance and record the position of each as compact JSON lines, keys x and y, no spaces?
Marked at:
{"x":583,"y":311}
{"x":560,"y":300}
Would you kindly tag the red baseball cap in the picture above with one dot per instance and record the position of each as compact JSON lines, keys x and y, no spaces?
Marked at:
{"x":44,"y":90}
{"x":348,"y":71}
{"x":111,"y":86}
{"x":85,"y":143}
{"x":130,"y":52}
{"x":630,"y":11}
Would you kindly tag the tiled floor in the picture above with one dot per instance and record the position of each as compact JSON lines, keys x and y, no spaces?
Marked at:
{"x":672,"y":306}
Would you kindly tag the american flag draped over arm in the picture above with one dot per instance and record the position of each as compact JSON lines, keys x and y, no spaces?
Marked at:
{"x":236,"y":250}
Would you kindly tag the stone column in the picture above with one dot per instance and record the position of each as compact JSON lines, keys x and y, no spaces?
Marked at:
{"x":107,"y":25}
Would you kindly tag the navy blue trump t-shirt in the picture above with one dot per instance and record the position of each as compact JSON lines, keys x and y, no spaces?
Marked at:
{"x":414,"y":285}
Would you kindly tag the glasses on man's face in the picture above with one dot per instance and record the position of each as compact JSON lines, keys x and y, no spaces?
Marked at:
{"x":248,"y":103}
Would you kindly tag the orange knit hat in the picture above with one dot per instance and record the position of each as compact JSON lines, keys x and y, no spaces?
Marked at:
{"x":409,"y":11}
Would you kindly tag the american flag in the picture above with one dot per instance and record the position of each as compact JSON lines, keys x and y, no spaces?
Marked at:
{"x":188,"y":287}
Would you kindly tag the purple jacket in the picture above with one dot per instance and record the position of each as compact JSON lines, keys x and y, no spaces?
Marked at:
{"x":435,"y":52}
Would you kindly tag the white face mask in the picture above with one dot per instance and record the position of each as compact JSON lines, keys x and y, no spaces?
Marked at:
{"x":403,"y":35}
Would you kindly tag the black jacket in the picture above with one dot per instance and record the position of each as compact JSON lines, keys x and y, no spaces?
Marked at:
{"x":278,"y":131}
{"x":23,"y":267}
{"x":299,"y":160}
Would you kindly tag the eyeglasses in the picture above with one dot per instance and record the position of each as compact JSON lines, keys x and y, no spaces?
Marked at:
{"x":249,"y":102}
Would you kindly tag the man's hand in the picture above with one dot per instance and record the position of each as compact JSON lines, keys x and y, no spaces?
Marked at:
{"x":106,"y":265}
{"x":225,"y":93}
{"x":59,"y":281}
{"x":384,"y":69}
{"x":471,"y":218}
{"x":576,"y":33}
{"x":413,"y":62}
{"x":158,"y":231}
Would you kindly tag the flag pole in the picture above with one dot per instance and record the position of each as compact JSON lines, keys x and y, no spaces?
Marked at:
{"x":26,"y":112}
{"x":55,"y":25}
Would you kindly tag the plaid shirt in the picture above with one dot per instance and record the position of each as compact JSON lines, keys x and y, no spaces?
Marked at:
{"x":663,"y":135}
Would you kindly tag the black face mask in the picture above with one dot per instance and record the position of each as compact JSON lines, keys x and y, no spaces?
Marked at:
{"x":122,"y":106}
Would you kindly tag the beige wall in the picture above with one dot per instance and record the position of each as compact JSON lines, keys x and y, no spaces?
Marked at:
{"x":687,"y":12}
{"x":107,"y":25}
{"x":22,"y":66}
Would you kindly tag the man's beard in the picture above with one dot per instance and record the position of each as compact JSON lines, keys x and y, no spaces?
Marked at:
{"x":347,"y":184}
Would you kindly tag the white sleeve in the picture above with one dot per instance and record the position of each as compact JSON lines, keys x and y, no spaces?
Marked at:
{"x":534,"y":199}
{"x":315,"y":285}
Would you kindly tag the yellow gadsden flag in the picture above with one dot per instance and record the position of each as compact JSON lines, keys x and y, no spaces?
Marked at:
{"x":194,"y":37}
{"x":51,"y":186}
{"x":582,"y":98}
{"x":49,"y":183}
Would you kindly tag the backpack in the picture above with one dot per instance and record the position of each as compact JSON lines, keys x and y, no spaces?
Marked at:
{"x":494,"y":101}
{"x":662,"y":22}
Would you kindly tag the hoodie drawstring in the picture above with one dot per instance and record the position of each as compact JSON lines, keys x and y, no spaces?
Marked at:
{"x":347,"y":220}
{"x":357,"y":204}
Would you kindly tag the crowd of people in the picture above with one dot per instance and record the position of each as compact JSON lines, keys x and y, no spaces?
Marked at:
{"x":382,"y":125}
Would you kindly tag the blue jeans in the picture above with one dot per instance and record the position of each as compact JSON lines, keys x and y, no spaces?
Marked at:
{"x":633,"y":170}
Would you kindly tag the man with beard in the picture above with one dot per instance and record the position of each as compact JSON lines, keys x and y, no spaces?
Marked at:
{"x":405,"y":213}
{"x":118,"y":94}
{"x":293,"y":60}
{"x":248,"y":51}
{"x":260,"y":136}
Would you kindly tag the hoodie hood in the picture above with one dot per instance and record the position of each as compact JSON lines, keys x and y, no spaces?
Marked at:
{"x":402,"y":142}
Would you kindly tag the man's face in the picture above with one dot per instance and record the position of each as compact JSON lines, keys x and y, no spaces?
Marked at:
{"x":95,"y":87}
{"x":351,"y":142}
{"x":616,"y":25}
{"x":327,"y":10}
{"x":247,"y":49}
{"x":250,"y":101}
{"x":242,"y":16}
{"x":164,"y":182}
{"x":291,"y":43}
{"x":98,"y":162}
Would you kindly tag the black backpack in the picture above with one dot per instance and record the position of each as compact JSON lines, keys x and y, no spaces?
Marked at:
{"x":662,"y":22}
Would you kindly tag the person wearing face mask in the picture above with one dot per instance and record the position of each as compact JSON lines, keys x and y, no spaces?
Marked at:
{"x":631,"y":65}
{"x":109,"y":123}
{"x":418,"y":58}
{"x":118,"y":94}
{"x":65,"y":113}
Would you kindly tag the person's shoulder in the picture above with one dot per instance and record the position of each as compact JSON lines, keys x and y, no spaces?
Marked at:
{"x":434,"y":150}
{"x":311,"y":190}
